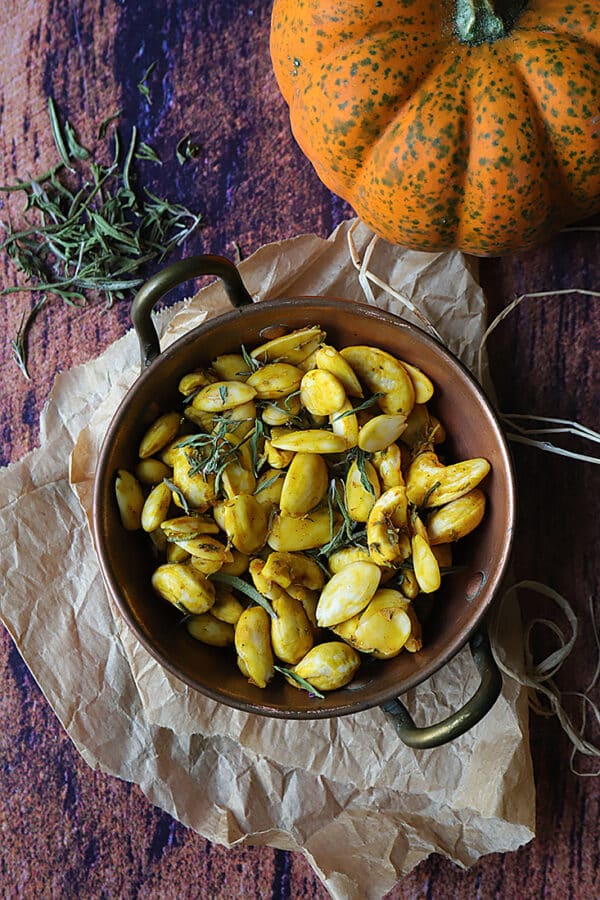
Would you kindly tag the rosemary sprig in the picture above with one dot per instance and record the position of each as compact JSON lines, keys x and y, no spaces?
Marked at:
{"x":348,"y":533}
{"x":238,"y":584}
{"x":255,"y":441}
{"x":343,"y":535}
{"x":129,"y":160}
{"x":18,"y":344}
{"x":142,"y":85}
{"x":365,"y":405}
{"x":209,"y":454}
{"x":76,"y":150}
{"x":186,"y":149}
{"x":269,"y":482}
{"x":300,"y":681}
{"x":425,"y":500}
{"x":146,"y":152}
{"x":342,"y":465}
{"x":103,"y":126}
{"x":341,"y":505}
{"x":26,"y":185}
{"x":87,"y":229}
{"x":58,"y":135}
{"x":250,"y":362}
{"x":361,"y":461}
{"x":180,"y":496}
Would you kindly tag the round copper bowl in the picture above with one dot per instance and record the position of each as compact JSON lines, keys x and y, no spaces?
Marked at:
{"x":456,"y":613}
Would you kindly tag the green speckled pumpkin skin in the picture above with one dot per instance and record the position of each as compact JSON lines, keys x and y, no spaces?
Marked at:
{"x":437,"y":144}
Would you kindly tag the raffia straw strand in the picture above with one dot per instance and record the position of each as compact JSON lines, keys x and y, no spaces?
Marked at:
{"x":365,"y":276}
{"x":570,"y":427}
{"x":581,"y":430}
{"x":596,"y":675}
{"x":538,"y":677}
{"x":533,"y":295}
{"x":574,"y":431}
{"x":551,"y":448}
{"x":585,"y":699}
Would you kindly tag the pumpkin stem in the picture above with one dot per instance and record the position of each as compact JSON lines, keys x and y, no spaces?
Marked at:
{"x":478,"y":21}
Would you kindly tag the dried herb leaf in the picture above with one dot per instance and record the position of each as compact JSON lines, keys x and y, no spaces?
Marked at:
{"x":238,"y":584}
{"x":269,"y":482}
{"x":251,"y":363}
{"x":142,"y":85}
{"x":19,"y":342}
{"x":186,"y":149}
{"x":76,"y":150}
{"x":238,"y":251}
{"x":433,"y":488}
{"x":102,"y":128}
{"x":58,"y":135}
{"x":361,"y":460}
{"x":301,"y":682}
{"x":365,"y":405}
{"x":180,"y":496}
{"x":255,"y":437}
{"x":146,"y":152}
{"x":129,"y":159}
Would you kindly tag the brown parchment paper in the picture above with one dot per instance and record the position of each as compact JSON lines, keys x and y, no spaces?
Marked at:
{"x":361,"y":806}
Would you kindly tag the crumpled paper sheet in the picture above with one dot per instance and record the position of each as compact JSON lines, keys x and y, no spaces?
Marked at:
{"x":362,"y":807}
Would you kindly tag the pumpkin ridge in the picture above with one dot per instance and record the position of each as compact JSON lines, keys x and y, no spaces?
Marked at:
{"x":536,"y":32}
{"x":460,"y":232}
{"x":549,"y":137}
{"x":365,"y":175}
{"x":542,"y":21}
{"x":534,"y":171}
{"x":397,"y":114}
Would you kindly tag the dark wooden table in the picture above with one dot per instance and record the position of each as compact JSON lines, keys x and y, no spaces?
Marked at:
{"x":68,"y":831}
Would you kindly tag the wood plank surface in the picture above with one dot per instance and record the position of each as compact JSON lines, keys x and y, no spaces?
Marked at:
{"x":67,"y":831}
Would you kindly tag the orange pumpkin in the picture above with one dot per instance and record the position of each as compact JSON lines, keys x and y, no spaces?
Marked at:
{"x":444,"y":123}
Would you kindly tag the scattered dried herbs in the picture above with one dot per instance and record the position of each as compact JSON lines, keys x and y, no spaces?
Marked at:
{"x":89,"y":227}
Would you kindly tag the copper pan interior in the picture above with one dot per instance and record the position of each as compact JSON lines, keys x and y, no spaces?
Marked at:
{"x":448,"y":618}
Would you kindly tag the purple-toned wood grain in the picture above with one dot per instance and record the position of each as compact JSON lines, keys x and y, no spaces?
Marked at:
{"x":69,"y":831}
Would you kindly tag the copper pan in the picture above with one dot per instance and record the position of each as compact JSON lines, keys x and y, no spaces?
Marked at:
{"x":456,"y":614}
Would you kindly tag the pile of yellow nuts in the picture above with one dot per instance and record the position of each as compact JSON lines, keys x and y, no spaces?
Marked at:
{"x":298,"y":506}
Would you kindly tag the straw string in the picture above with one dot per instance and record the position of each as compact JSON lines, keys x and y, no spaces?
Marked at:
{"x":366,"y":277}
{"x":538,"y":677}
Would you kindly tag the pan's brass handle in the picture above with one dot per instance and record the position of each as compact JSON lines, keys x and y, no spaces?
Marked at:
{"x":465,"y":718}
{"x":164,"y":281}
